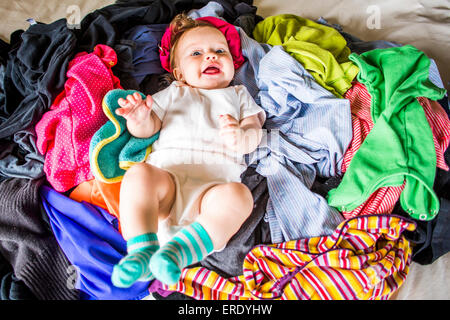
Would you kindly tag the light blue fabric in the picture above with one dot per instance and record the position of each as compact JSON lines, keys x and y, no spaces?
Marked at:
{"x":246,"y":74}
{"x":434,"y":76}
{"x":310,"y":129}
{"x":212,"y":9}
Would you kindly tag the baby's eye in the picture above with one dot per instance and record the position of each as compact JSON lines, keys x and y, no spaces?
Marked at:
{"x":195,"y":53}
{"x":219,"y":51}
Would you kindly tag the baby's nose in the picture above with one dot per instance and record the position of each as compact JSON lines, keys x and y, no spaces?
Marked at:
{"x":211,"y":56}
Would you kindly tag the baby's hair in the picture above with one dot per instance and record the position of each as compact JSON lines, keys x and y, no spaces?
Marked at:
{"x":178,"y":26}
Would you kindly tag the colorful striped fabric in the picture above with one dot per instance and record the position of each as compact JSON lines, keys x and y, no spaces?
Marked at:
{"x":367,"y":257}
{"x":385,"y":198}
{"x":440,"y":126}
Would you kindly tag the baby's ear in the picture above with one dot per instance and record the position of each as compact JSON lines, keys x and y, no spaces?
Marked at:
{"x":177,"y":74}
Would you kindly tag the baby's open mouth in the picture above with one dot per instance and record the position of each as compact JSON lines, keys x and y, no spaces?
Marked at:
{"x":211,"y":70}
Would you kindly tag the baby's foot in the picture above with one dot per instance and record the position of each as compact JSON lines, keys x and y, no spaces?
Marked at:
{"x":191,"y":244}
{"x":135,"y":265}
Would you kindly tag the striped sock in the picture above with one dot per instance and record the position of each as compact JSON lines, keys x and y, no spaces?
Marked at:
{"x":135,"y":265}
{"x":189,"y":245}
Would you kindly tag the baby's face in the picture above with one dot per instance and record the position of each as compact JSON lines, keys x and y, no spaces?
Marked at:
{"x":203,"y":59}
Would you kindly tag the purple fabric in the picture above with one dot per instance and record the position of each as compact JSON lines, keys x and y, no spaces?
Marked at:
{"x":89,"y":237}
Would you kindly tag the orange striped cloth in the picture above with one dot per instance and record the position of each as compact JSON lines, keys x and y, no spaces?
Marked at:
{"x":367,"y":257}
{"x":385,"y":198}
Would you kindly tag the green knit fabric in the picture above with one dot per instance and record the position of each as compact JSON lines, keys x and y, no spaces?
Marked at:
{"x":112,"y":149}
{"x":400,"y":146}
{"x":321,"y":50}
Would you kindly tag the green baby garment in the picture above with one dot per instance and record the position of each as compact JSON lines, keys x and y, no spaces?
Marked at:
{"x":320,"y":49}
{"x":112,"y":149}
{"x":400,"y":146}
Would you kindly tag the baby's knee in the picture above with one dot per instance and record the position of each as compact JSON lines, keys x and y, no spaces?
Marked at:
{"x":143,"y":177}
{"x":235,"y":196}
{"x":139,"y":171}
{"x":238,"y":191}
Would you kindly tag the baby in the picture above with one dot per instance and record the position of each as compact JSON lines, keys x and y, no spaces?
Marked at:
{"x":190,"y":184}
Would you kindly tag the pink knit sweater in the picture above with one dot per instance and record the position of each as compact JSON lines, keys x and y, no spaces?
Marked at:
{"x":65,"y":131}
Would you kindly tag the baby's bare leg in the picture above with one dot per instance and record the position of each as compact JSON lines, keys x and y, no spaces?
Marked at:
{"x":146,"y":194}
{"x":223,"y":209}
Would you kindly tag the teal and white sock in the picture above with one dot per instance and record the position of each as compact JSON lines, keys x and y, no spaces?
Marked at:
{"x":135,"y":265}
{"x":189,"y":245}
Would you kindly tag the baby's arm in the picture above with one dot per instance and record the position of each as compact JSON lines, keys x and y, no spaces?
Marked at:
{"x":244,"y":136}
{"x":142,"y":122}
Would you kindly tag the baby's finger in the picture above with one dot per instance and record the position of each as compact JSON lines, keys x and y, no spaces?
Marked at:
{"x":231,"y":126}
{"x":227,"y":119}
{"x":223,"y":121}
{"x":121,"y":111}
{"x":149,"y":101}
{"x":122,"y":102}
{"x":131,"y":99}
{"x":137,"y":97}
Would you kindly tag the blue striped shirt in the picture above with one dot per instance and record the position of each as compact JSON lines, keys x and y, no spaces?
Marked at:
{"x":309,"y":130}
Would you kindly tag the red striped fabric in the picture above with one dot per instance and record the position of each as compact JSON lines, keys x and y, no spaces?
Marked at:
{"x":440,"y":126}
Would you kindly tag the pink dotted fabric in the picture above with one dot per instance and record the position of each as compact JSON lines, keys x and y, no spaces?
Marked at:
{"x":65,"y":131}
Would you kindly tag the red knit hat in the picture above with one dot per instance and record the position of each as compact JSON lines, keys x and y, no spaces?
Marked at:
{"x":228,"y":30}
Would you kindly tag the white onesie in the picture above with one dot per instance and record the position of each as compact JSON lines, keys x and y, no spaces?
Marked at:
{"x":190,"y":148}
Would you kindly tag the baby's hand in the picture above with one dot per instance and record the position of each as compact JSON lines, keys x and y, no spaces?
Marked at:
{"x":138,"y":114}
{"x":134,"y":109}
{"x":230,"y":131}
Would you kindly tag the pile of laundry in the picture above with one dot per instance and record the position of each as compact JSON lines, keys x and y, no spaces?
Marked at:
{"x":350,"y":184}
